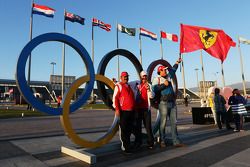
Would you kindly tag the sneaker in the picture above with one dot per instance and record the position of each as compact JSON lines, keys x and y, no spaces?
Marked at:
{"x":236,"y":130}
{"x":242,"y":130}
{"x":230,"y":128}
{"x":150,"y":147}
{"x":163,"y":144}
{"x":179,"y":145}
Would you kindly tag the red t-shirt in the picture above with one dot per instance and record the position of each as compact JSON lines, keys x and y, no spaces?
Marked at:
{"x":142,"y":102}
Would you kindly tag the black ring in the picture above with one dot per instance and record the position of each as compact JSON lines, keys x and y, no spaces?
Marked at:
{"x":102,"y":67}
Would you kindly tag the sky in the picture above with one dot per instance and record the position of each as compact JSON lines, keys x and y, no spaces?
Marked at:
{"x":230,"y":15}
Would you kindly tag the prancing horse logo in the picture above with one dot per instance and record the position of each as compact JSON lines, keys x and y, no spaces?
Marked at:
{"x":208,"y":38}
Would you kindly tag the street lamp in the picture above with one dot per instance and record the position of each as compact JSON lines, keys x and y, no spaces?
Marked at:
{"x":197,"y":69}
{"x":215,"y":74}
{"x":53,"y":64}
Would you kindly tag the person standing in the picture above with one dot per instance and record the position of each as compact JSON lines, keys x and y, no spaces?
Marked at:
{"x":124,"y":104}
{"x":237,"y":103}
{"x":220,"y":109}
{"x":59,"y":100}
{"x":211,"y":105}
{"x":167,"y":107}
{"x":143,"y":113}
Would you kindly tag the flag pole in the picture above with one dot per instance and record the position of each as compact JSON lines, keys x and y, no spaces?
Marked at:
{"x":31,"y":29}
{"x":161,"y":48}
{"x":140,"y":47}
{"x":222,"y":73}
{"x":118,"y":57}
{"x":63,"y":55}
{"x":183,"y":76}
{"x":242,"y":72}
{"x":203,"y":75}
{"x":92,"y":49}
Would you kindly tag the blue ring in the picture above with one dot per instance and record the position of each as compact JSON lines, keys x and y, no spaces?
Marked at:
{"x":24,"y":87}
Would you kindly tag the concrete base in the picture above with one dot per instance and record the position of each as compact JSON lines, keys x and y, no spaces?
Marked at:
{"x":80,"y":154}
{"x":89,"y":155}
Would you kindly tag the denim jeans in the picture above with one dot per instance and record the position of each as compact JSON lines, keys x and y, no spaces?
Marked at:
{"x":168,"y":109}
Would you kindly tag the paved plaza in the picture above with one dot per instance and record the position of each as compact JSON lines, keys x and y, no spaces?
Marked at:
{"x":37,"y":142}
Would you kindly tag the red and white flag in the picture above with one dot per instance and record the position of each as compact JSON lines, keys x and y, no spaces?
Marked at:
{"x":171,"y":37}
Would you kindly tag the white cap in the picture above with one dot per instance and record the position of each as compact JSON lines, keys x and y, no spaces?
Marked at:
{"x":143,"y":73}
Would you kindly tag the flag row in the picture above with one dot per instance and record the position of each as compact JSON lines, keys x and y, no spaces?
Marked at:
{"x":214,"y":41}
{"x":49,"y":12}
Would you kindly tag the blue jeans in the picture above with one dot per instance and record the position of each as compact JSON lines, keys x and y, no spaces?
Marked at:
{"x":168,"y":109}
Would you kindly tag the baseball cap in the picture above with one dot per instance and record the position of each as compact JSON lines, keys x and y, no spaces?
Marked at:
{"x":143,"y":73}
{"x":124,"y":73}
{"x":160,"y":68}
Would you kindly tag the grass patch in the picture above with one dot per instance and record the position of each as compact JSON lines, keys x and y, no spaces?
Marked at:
{"x":95,"y":106}
{"x":11,"y":113}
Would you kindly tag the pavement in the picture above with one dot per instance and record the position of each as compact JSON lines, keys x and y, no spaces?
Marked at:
{"x":28,"y":142}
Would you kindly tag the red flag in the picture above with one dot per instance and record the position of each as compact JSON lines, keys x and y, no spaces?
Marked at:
{"x":214,"y":41}
{"x":171,"y":37}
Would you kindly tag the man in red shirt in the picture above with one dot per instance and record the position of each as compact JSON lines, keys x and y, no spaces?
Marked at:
{"x":124,"y":103}
{"x":143,"y":113}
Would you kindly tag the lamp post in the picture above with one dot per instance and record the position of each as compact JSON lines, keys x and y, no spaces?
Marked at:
{"x":196,"y":69}
{"x":215,"y":74}
{"x":53,"y":64}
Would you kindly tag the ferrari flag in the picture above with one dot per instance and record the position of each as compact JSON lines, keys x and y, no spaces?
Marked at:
{"x":214,"y":41}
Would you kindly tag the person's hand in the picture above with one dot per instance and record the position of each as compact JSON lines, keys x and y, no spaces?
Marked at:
{"x":179,"y":61}
{"x":147,"y":86}
{"x":166,"y":83}
{"x":117,"y":113}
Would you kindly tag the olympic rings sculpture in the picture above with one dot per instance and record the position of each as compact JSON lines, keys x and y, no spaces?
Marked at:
{"x":89,"y":79}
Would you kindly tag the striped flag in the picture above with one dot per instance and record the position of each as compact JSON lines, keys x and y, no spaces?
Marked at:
{"x":147,"y":33}
{"x":171,"y":37}
{"x":74,"y":18}
{"x":244,"y":40}
{"x":96,"y":22}
{"x":43,"y":10}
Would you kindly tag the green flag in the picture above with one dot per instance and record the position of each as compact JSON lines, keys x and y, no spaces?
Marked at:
{"x":129,"y":31}
{"x":244,"y":40}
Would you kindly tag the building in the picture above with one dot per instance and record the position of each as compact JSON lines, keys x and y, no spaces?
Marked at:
{"x":56,"y":82}
{"x":203,"y":89}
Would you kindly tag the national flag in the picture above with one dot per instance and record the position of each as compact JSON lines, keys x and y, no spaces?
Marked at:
{"x":147,"y":33}
{"x":244,"y":40}
{"x":74,"y":18}
{"x":171,"y":37}
{"x":214,"y":41}
{"x":96,"y":22}
{"x":43,"y":10}
{"x":129,"y":31}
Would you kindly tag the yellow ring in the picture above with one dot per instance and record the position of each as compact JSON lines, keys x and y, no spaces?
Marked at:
{"x":65,"y":121}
